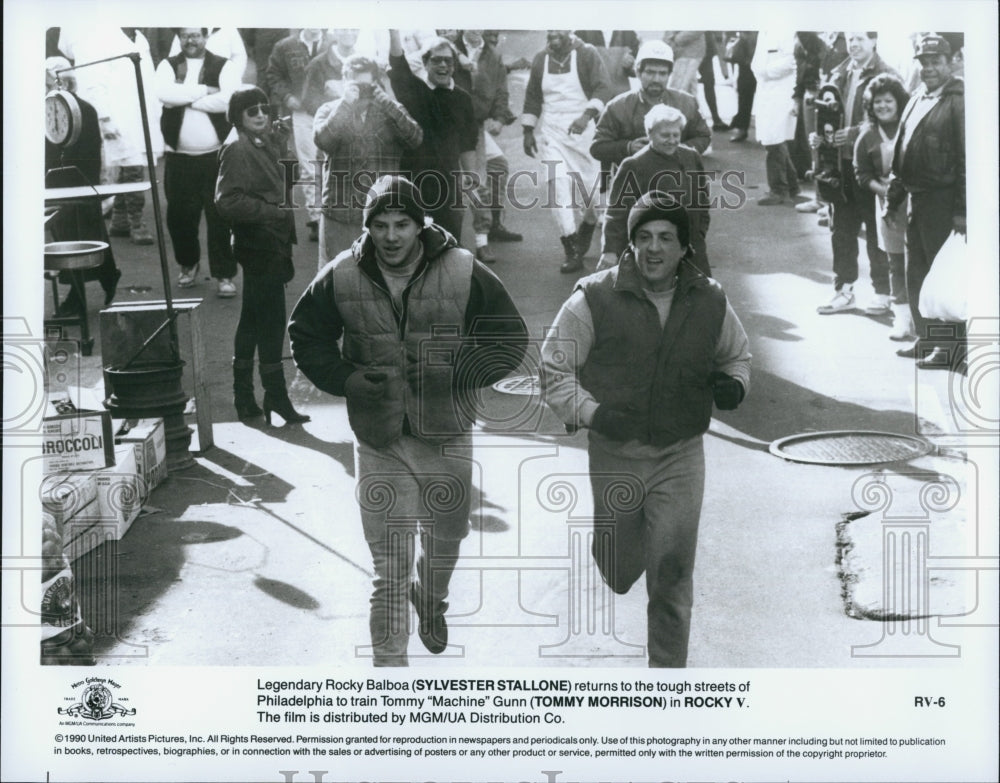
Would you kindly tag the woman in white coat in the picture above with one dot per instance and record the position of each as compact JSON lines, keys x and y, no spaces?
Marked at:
{"x":775,"y":112}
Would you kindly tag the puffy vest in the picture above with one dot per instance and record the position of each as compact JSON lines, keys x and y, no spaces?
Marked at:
{"x":379,"y":338}
{"x":661,"y":374}
{"x":173,"y":116}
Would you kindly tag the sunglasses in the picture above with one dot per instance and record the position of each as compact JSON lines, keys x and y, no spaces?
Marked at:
{"x":441,"y":61}
{"x":260,"y":108}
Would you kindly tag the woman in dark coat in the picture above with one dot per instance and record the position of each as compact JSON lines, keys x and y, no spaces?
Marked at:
{"x":250,"y":194}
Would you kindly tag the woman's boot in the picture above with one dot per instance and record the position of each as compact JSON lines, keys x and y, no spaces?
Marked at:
{"x":276,"y":395}
{"x":246,"y":405}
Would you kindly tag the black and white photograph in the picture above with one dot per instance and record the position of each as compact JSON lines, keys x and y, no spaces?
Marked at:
{"x":501,"y":402}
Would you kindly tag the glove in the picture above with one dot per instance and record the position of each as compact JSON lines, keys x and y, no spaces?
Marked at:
{"x":726,"y":391}
{"x":365,"y":388}
{"x":895,"y":196}
{"x":618,"y":424}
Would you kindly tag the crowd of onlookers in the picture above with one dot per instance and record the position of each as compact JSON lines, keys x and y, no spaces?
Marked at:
{"x":624,"y":111}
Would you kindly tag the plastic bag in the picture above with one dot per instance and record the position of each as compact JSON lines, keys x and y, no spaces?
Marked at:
{"x":944,"y":293}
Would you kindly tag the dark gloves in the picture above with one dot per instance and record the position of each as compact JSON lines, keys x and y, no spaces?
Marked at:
{"x":618,"y":424}
{"x":895,"y":196}
{"x":726,"y":391}
{"x":365,"y":388}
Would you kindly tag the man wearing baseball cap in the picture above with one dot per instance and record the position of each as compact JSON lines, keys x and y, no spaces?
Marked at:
{"x":656,"y":345}
{"x":928,"y":168}
{"x":424,"y":325}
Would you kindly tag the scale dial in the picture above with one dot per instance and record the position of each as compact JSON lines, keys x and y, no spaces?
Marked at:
{"x":63,"y":119}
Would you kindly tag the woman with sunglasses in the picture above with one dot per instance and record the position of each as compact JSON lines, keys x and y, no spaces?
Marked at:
{"x":250,"y":194}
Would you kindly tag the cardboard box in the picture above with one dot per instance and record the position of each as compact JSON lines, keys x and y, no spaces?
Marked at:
{"x":118,"y":498}
{"x":75,"y":439}
{"x":64,"y":495}
{"x":150,"y":441}
{"x":86,"y":531}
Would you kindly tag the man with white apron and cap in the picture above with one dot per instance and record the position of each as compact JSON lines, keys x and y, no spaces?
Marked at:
{"x":566,"y":92}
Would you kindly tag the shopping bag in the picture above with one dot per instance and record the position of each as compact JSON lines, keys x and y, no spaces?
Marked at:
{"x":944,"y":293}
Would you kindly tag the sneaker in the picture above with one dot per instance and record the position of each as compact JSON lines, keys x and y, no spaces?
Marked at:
{"x":937,"y":358}
{"x":842,"y":300}
{"x":486,"y":255}
{"x":902,"y":323}
{"x":432,"y":629}
{"x":807,"y":206}
{"x":878,"y":305}
{"x":141,"y":236}
{"x":772,"y":200}
{"x":227,"y":288}
{"x":188,"y":276}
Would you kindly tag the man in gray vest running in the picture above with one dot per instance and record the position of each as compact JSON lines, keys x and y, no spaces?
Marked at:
{"x":424,"y":326}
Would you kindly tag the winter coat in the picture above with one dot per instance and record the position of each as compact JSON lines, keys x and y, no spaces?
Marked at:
{"x":651,"y":170}
{"x":250,"y":194}
{"x":934,"y":156}
{"x":451,"y":297}
{"x":359,"y":151}
{"x":624,"y":120}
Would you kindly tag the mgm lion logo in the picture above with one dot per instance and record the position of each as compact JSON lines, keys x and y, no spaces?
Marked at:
{"x":96,"y":704}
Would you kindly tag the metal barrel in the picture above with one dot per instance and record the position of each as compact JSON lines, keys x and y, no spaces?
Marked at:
{"x":153,"y":390}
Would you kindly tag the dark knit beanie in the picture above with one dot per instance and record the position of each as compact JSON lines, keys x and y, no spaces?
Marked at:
{"x":241,"y":100}
{"x":657,"y":205}
{"x":393,"y":193}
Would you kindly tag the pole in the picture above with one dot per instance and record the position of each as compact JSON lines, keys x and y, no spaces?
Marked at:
{"x":154,"y":190}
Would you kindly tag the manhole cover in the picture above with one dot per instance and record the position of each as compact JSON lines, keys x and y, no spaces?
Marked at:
{"x":849,"y":447}
{"x":519,"y":384}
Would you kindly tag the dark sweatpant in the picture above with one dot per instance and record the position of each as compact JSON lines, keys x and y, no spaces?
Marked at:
{"x":189,"y":185}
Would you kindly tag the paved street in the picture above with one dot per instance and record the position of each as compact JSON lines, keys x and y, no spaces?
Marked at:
{"x":255,"y":555}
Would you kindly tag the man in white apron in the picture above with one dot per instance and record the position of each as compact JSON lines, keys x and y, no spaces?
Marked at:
{"x":566,"y":92}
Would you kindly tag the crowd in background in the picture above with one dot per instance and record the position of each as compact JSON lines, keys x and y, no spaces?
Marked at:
{"x":802,"y":95}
